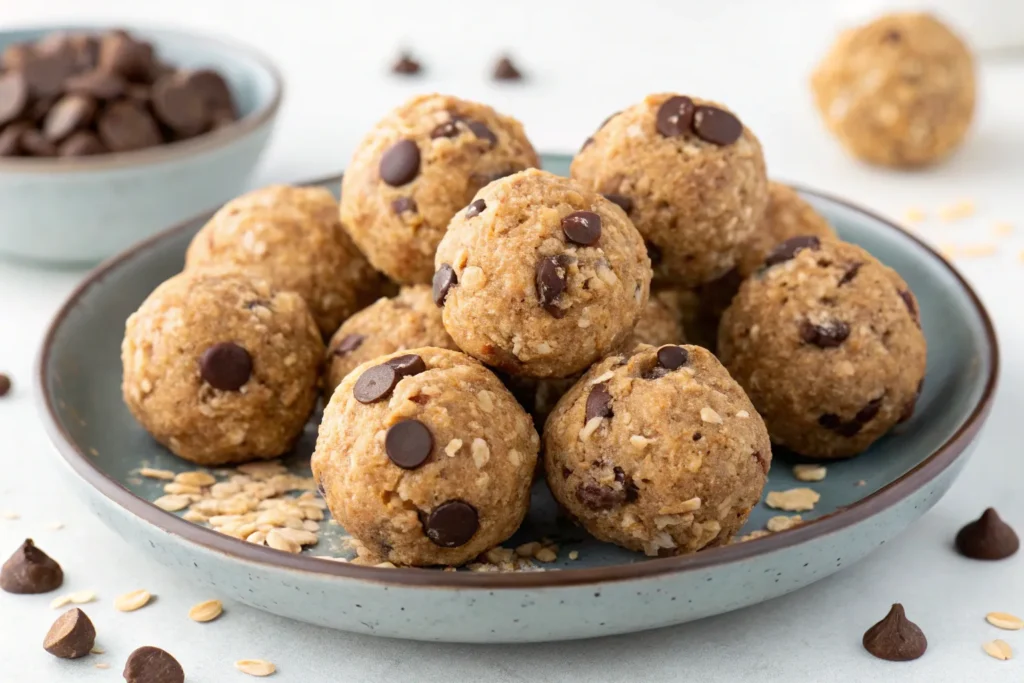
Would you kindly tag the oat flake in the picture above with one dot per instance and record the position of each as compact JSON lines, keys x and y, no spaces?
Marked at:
{"x":793,"y":500}
{"x":255,"y":667}
{"x":129,"y":602}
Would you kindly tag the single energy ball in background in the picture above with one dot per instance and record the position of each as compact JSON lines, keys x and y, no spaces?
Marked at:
{"x":292,"y":237}
{"x":540,"y":277}
{"x":418,"y":166}
{"x":658,"y":450}
{"x":407,"y":320}
{"x":898,"y":91}
{"x":220,"y":367}
{"x":827,"y":342}
{"x":689,"y":175}
{"x":425,"y":458}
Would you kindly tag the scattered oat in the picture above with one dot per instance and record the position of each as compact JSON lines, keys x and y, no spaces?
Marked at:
{"x":151,"y":473}
{"x":756,"y":533}
{"x":574,"y":554}
{"x":196,"y":478}
{"x":82,"y":597}
{"x":783,"y":522}
{"x":914,"y":215}
{"x":546,"y":555}
{"x":10,"y":514}
{"x":999,"y":649}
{"x":255,"y":667}
{"x":708,"y":414}
{"x":206,"y":611}
{"x":278,"y":541}
{"x":60,"y":601}
{"x":129,"y":602}
{"x":861,"y":482}
{"x":793,"y":500}
{"x":102,"y":665}
{"x":386,"y":565}
{"x":809,"y":472}
{"x":1005,"y":621}
{"x":956,"y":211}
{"x":1002,"y":229}
{"x":954,"y":251}
{"x":93,"y":452}
{"x":97,"y":650}
{"x":172,"y":503}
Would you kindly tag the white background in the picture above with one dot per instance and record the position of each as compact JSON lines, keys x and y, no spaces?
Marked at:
{"x":584,"y":60}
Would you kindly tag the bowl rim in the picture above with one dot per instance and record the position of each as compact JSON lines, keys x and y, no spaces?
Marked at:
{"x":173,"y":151}
{"x":234,"y":549}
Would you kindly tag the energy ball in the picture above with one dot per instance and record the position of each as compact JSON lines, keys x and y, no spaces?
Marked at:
{"x":418,"y":166}
{"x":406,"y":321}
{"x":292,"y":237}
{"x":540,"y":277}
{"x":827,"y":342}
{"x":658,"y":450}
{"x":898,"y":91}
{"x":787,"y":216}
{"x":690,"y":175}
{"x":425,"y":458}
{"x":220,"y":367}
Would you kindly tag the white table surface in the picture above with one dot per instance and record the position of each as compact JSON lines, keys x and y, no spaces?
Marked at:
{"x":585,"y":60}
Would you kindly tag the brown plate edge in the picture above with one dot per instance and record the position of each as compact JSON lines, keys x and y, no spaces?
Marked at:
{"x":211,"y":540}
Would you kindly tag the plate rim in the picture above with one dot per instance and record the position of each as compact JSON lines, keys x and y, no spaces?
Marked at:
{"x":409,"y":577}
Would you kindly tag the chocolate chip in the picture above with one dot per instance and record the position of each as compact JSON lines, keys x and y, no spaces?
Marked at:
{"x":716,"y":126}
{"x":830,"y":421}
{"x":826,"y":335}
{"x":550,"y":281}
{"x":653,"y":253}
{"x":405,"y":65}
{"x":987,"y":538}
{"x":674,"y":116}
{"x":349,"y":343}
{"x":10,"y":138}
{"x":895,"y":638}
{"x":30,"y":571}
{"x":408,"y":443}
{"x":628,"y":486}
{"x":624,"y":202}
{"x":477,"y":207}
{"x":599,"y":403}
{"x":72,"y":636}
{"x":892,"y":36}
{"x":672,"y":357}
{"x":833,"y":422}
{"x":129,"y":58}
{"x":375,"y":383}
{"x":444,"y":280}
{"x":850,"y":273}
{"x":598,"y":497}
{"x":452,"y":524}
{"x":69,"y":114}
{"x":790,"y":248}
{"x":46,"y":73}
{"x":908,"y":299}
{"x":448,"y":129}
{"x":152,"y":665}
{"x":179,"y":106}
{"x":34,"y":143}
{"x":81,"y":144}
{"x":13,"y":97}
{"x":505,"y":70}
{"x":565,"y":472}
{"x":696,"y":436}
{"x":407,"y":365}
{"x":400,"y":163}
{"x":483,"y":132}
{"x":582,"y":227}
{"x":403,"y":204}
{"x":868,"y":412}
{"x":102,"y":85}
{"x":214,"y":91}
{"x":5,"y":385}
{"x":225,"y":366}
{"x":124,"y":126}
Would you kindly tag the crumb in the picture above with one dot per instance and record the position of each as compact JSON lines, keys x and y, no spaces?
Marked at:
{"x":956,"y":211}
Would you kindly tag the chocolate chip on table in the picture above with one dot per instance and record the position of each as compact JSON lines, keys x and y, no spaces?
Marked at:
{"x":225,"y":366}
{"x":451,"y":524}
{"x":403,"y":204}
{"x":716,"y":126}
{"x":481,"y":131}
{"x":69,"y":114}
{"x":406,"y":366}
{"x":790,"y":248}
{"x":672,"y":357}
{"x":550,"y":281}
{"x":895,"y":638}
{"x":72,"y":636}
{"x":400,"y":163}
{"x":477,"y":207}
{"x":405,"y":65}
{"x":152,"y":665}
{"x":13,"y":96}
{"x":582,"y":227}
{"x":102,"y":85}
{"x":599,"y":403}
{"x":5,"y":385}
{"x":825,"y":335}
{"x":179,"y":106}
{"x":30,"y":571}
{"x":125,"y":126}
{"x":408,"y":443}
{"x":505,"y":70}
{"x":987,"y":538}
{"x":624,"y":202}
{"x":349,"y":343}
{"x":375,"y":383}
{"x":675,"y":116}
{"x":444,"y":280}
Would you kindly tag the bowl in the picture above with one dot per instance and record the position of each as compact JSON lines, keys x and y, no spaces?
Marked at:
{"x":82,"y":210}
{"x":598,"y":590}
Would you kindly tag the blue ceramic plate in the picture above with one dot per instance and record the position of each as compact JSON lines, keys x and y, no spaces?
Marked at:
{"x":864,"y":501}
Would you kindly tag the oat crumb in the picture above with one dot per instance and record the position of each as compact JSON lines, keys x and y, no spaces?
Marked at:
{"x":809,"y":472}
{"x":914,"y":215}
{"x":999,"y":649}
{"x":783,"y":522}
{"x":574,"y":554}
{"x":957,"y":211}
{"x":793,"y":500}
{"x":1002,"y":229}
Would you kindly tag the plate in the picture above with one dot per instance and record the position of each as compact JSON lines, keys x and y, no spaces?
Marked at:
{"x":865,"y":501}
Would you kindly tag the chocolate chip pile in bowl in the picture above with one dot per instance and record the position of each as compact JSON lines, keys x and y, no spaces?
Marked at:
{"x":81,"y":94}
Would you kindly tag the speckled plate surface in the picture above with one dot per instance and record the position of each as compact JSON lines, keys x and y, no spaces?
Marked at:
{"x":865,"y":501}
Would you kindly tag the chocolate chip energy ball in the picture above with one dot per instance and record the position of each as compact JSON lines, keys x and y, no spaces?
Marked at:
{"x":690,"y":176}
{"x":787,"y":216}
{"x":291,"y":236}
{"x":827,"y":342}
{"x":425,"y":457}
{"x":540,"y":277}
{"x":898,"y":91}
{"x":420,"y":165}
{"x":408,"y":320}
{"x":658,"y":451}
{"x":220,"y":367}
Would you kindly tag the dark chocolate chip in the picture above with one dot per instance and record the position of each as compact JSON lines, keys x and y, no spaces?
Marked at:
{"x":582,"y":227}
{"x":69,"y":114}
{"x":152,"y":665}
{"x":653,"y":253}
{"x":672,"y":357}
{"x":675,"y":116}
{"x":349,"y":343}
{"x":868,"y":412}
{"x":624,"y":202}
{"x":123,"y":55}
{"x":72,"y":636}
{"x":716,"y":126}
{"x":125,"y":125}
{"x":45,"y":73}
{"x":179,"y":106}
{"x":895,"y":638}
{"x":849,"y":429}
{"x":214,"y":91}
{"x":13,"y":96}
{"x":987,"y":538}
{"x":375,"y":383}
{"x":505,"y":70}
{"x":225,"y":366}
{"x":444,"y":280}
{"x":598,"y":497}
{"x":483,"y":132}
{"x":892,"y":36}
{"x":408,"y":443}
{"x":850,"y":273}
{"x":102,"y":85}
{"x":790,"y":248}
{"x":34,"y":143}
{"x":908,"y":299}
{"x":405,"y":65}
{"x":697,"y":436}
{"x":30,"y":571}
{"x":826,"y":335}
{"x":403,"y":204}
{"x":834,"y":423}
{"x":5,"y":385}
{"x":830,"y":421}
{"x":400,"y":163}
{"x":628,"y":486}
{"x":448,"y":129}
{"x":599,"y":403}
{"x":10,"y":138}
{"x":565,"y":472}
{"x":452,"y":524}
{"x":406,"y":366}
{"x":81,"y":144}
{"x":550,"y":281}
{"x":477,"y":207}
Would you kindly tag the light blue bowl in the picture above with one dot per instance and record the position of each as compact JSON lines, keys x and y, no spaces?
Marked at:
{"x":81,"y":210}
